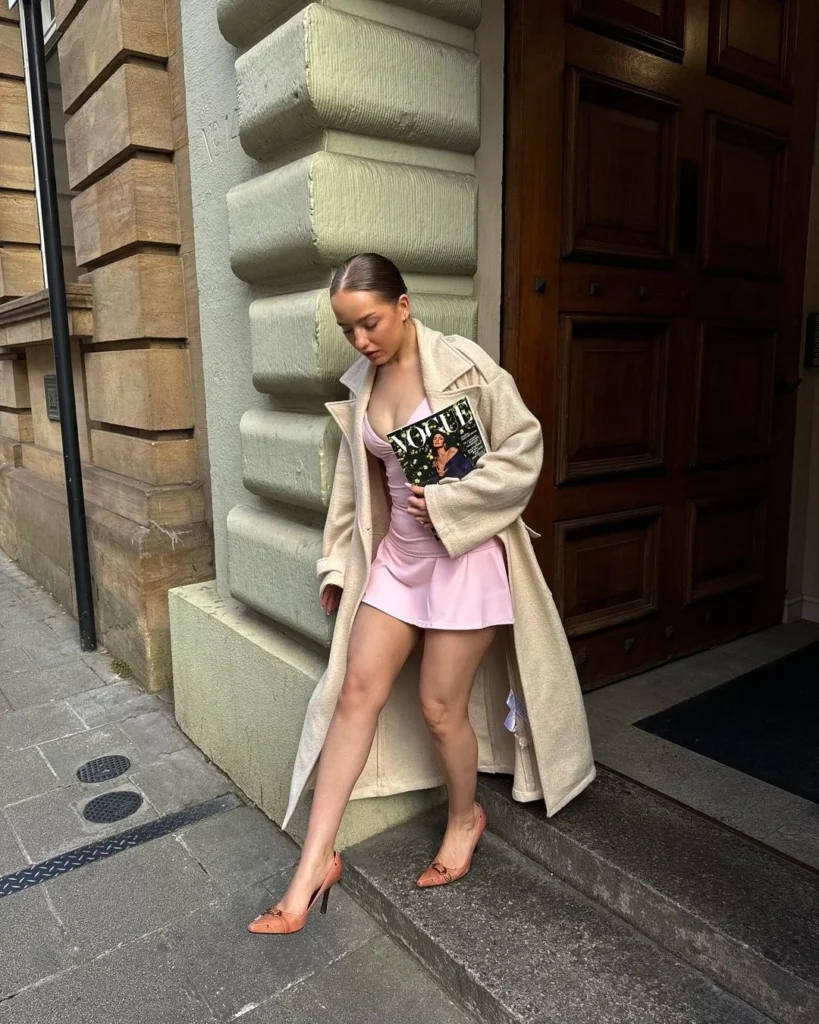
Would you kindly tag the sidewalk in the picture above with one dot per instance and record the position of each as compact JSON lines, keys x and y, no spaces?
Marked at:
{"x":154,"y":934}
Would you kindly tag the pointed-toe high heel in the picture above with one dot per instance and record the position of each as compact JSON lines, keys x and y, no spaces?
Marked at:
{"x":275,"y":921}
{"x":439,"y":874}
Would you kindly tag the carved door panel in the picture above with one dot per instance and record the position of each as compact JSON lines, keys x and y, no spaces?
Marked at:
{"x":658,"y":170}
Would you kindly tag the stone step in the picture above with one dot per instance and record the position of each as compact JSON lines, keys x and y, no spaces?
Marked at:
{"x":739,"y":912}
{"x":512,"y":943}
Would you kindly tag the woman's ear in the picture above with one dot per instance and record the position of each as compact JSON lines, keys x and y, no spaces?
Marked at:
{"x":404,"y":307}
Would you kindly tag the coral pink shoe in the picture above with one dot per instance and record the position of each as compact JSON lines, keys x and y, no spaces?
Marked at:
{"x":274,"y":921}
{"x":438,"y":874}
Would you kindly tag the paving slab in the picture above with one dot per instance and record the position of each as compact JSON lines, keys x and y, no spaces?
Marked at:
{"x":36,"y":686}
{"x":50,"y":824}
{"x":14,"y":659}
{"x":112,"y":703}
{"x":228,"y":965}
{"x":66,"y":755}
{"x":239,"y":847}
{"x":376,"y":984}
{"x":34,"y":945}
{"x":38,"y":724}
{"x":12,"y":857}
{"x":515,"y":944}
{"x":154,"y":733}
{"x":24,"y":774}
{"x":181,"y":779}
{"x":97,"y":903}
{"x":135,"y":984}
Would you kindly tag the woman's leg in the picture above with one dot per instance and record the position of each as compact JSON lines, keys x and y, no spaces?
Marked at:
{"x":379,"y":646}
{"x":451,"y":659}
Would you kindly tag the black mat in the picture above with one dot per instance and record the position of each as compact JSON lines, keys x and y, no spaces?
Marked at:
{"x":765,"y":724}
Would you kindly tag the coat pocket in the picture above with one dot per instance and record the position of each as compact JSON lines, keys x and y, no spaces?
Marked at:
{"x":530,"y":531}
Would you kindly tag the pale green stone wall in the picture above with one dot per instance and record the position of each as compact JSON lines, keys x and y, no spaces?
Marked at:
{"x":355,"y":127}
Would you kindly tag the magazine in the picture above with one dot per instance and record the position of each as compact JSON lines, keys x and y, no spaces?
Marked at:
{"x":445,"y":445}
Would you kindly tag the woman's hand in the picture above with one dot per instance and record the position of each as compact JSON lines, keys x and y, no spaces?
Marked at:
{"x":417,"y":506}
{"x":330,"y":598}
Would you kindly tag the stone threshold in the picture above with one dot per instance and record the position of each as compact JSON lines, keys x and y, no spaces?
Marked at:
{"x":756,"y":809}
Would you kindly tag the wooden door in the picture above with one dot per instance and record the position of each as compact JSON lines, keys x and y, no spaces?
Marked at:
{"x":658,"y":170}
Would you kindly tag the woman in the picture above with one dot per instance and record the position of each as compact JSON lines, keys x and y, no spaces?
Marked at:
{"x":391,"y":583}
{"x":448,"y":461}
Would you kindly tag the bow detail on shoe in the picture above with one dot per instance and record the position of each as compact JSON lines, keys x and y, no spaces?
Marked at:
{"x":444,"y":872}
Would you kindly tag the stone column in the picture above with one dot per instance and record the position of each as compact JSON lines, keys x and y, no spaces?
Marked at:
{"x":354,"y":129}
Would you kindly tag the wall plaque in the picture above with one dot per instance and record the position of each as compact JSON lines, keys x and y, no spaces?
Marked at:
{"x":52,"y":401}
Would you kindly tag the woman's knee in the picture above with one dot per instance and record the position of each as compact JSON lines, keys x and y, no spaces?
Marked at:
{"x":443,"y":717}
{"x":362,"y":692}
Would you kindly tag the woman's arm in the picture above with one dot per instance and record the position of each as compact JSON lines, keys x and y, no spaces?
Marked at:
{"x":338,"y":529}
{"x":479,"y":506}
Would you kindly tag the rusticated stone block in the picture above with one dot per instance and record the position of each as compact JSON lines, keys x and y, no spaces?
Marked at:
{"x":16,"y":426}
{"x":414,"y":90}
{"x":11,"y":50}
{"x":102,"y":36}
{"x":289,"y":457}
{"x":144,"y":388}
{"x":328,"y":205}
{"x":135,"y":203}
{"x":131,"y":111}
{"x":13,"y":107}
{"x":154,"y":461}
{"x":270,"y":556}
{"x":16,"y":167}
{"x":14,"y":392}
{"x":21,"y":272}
{"x":142,"y":296}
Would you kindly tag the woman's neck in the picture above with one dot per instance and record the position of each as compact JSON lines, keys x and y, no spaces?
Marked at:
{"x":406,"y":354}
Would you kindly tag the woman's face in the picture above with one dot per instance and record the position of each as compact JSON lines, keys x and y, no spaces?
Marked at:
{"x":438,"y":441}
{"x":374,"y":327}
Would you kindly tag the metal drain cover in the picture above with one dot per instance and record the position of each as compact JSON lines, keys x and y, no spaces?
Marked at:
{"x":101,"y":769}
{"x":112,"y":806}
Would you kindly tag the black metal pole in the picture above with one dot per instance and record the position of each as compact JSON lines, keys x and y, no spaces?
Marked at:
{"x":52,"y":248}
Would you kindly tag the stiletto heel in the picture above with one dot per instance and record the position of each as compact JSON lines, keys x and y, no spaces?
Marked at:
{"x":275,"y":921}
{"x":438,"y":874}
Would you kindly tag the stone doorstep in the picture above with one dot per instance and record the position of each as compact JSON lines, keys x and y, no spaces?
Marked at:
{"x":512,"y":944}
{"x":737,"y":911}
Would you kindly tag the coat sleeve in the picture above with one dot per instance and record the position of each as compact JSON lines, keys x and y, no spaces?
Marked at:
{"x":338,"y":529}
{"x":472,"y":510}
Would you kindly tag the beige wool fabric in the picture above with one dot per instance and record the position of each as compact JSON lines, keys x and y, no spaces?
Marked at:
{"x":553,"y":759}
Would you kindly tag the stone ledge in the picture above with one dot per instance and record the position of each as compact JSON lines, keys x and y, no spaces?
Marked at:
{"x":270,"y":557}
{"x":329,"y":205}
{"x":27,"y":321}
{"x":295,"y":82}
{"x":729,"y":907}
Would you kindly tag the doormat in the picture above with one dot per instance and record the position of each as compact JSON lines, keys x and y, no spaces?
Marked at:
{"x":765,"y":723}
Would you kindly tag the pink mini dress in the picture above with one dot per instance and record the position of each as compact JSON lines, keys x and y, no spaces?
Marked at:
{"x":413,"y":578}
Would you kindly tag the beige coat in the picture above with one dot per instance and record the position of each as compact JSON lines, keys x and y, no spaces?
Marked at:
{"x":553,"y":759}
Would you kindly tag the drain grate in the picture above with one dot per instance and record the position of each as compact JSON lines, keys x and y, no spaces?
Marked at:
{"x":104,"y":848}
{"x":101,"y":769}
{"x":112,"y":806}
